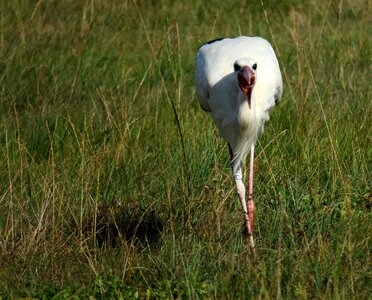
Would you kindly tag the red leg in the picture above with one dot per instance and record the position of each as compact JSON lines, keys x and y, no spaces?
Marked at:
{"x":237,"y":172}
{"x":249,"y":232}
{"x":250,"y":204}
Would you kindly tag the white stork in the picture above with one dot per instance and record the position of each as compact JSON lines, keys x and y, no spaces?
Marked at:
{"x":238,"y":81}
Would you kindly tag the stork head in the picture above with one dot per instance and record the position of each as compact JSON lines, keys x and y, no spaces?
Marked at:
{"x":246,"y":76}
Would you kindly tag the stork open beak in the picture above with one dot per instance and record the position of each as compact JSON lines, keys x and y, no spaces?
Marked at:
{"x":246,"y":80}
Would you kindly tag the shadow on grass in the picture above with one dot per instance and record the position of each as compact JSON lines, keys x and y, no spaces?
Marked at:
{"x":115,"y":222}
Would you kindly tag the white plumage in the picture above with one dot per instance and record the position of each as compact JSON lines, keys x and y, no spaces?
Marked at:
{"x":218,"y":92}
{"x":238,"y":81}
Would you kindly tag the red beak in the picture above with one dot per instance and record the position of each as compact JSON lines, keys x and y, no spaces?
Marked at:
{"x":246,"y":80}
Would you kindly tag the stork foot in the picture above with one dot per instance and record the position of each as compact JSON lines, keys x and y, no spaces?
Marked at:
{"x":247,"y":232}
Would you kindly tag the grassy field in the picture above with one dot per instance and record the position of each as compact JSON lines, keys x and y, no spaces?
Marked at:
{"x":115,"y":184}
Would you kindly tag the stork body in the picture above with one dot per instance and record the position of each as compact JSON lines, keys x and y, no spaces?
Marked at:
{"x":238,"y":81}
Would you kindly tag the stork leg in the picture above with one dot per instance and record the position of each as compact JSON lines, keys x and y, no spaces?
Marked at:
{"x":250,"y":203}
{"x":237,"y":172}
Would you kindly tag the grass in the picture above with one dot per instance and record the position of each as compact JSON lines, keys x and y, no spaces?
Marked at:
{"x":114,"y":182}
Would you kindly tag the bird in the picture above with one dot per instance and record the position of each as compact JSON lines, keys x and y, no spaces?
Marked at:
{"x":238,"y":82}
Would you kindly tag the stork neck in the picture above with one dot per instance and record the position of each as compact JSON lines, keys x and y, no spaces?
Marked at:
{"x":246,"y":115}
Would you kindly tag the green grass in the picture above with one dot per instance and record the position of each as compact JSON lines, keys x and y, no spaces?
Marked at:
{"x":98,"y":196}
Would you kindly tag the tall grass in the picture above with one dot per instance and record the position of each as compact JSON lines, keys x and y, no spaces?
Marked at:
{"x":114,"y":182}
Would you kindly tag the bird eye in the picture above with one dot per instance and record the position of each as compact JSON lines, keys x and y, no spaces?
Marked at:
{"x":254,"y":67}
{"x":236,"y":67}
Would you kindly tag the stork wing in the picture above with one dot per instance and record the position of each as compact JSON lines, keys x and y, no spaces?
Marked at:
{"x":202,"y":87}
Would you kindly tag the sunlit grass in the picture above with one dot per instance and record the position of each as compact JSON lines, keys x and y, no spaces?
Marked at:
{"x":101,"y":136}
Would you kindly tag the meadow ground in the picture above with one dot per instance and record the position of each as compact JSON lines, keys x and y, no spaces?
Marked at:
{"x":114,"y":183}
